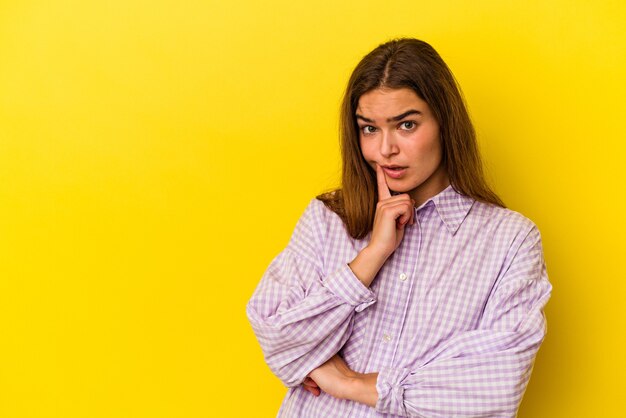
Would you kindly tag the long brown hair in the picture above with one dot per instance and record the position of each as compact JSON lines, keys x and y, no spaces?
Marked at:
{"x":414,"y":64}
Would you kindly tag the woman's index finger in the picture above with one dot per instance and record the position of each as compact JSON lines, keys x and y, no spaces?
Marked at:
{"x":383,"y":188}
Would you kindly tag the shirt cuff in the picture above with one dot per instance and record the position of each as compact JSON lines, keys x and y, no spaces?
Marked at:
{"x":391,"y":391}
{"x":348,"y":287}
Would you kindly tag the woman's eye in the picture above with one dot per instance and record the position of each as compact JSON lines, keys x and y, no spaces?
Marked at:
{"x":368,"y":129}
{"x":408,"y":125}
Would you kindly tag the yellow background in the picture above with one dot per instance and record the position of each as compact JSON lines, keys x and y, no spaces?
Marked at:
{"x":155,"y":156}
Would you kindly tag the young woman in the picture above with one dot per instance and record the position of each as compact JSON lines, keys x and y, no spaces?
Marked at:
{"x":411,"y":290}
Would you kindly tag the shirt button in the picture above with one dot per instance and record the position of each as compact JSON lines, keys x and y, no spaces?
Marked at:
{"x":387,"y":338}
{"x":403,"y":277}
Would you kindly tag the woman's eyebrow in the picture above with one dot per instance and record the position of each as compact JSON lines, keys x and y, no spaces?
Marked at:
{"x":391,"y":119}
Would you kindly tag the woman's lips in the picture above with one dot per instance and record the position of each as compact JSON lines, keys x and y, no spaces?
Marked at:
{"x":393,"y":171}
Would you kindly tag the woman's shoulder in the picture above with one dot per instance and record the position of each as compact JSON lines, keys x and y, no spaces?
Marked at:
{"x":317,"y":229}
{"x":318,"y":214}
{"x":502,"y":217}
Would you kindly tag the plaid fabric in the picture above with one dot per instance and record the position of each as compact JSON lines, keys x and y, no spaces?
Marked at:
{"x":452,"y":322}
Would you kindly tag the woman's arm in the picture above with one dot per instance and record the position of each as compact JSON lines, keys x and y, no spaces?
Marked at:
{"x":303,"y":316}
{"x":393,"y":213}
{"x":483,"y":372}
{"x":300,"y":315}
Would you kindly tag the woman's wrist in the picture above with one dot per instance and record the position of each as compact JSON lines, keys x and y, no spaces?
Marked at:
{"x":366,"y":265}
{"x":362,"y":389}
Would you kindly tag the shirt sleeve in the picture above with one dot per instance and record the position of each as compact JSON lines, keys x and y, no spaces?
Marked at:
{"x":301,"y":315}
{"x":483,"y":372}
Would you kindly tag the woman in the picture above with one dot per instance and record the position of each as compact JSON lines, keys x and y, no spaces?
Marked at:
{"x":412,"y":290}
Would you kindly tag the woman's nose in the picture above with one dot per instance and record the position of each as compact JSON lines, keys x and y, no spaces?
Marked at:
{"x":388,"y":144}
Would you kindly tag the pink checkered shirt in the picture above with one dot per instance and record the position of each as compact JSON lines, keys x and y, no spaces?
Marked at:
{"x":452,"y":322}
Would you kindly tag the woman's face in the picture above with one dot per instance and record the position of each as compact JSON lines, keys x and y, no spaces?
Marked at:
{"x":398,"y":131}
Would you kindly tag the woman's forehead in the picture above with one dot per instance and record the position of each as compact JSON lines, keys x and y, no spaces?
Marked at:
{"x":385,"y":103}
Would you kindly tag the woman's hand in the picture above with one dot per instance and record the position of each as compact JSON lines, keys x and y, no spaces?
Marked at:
{"x":393,"y":214}
{"x":336,"y":379}
{"x":333,"y":377}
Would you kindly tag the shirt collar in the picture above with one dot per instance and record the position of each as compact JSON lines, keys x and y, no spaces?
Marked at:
{"x":451,"y":206}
